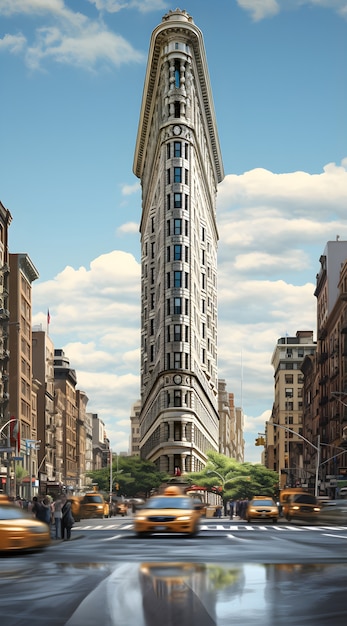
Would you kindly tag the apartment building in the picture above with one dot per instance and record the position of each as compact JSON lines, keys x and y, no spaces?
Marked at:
{"x":22,"y":274}
{"x":5,"y":427}
{"x":285,"y":428}
{"x":178,"y":160}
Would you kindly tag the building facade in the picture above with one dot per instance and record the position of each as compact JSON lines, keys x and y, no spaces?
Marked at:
{"x":22,"y":275}
{"x":285,"y":428}
{"x":178,"y":161}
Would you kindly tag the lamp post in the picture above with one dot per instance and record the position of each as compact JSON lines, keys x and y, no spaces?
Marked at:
{"x":317,"y":448}
{"x":8,"y":477}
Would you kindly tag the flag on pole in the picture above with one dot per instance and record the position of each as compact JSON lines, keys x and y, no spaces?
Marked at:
{"x":48,"y":317}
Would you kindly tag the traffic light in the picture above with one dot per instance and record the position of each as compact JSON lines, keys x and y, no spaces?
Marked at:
{"x":260,"y":441}
{"x":117,"y":486}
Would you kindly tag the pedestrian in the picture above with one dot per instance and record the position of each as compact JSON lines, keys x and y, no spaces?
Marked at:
{"x":45,"y":513}
{"x":57,"y":515}
{"x":67,"y":520}
{"x":231,"y":509}
{"x":36,"y":508}
{"x":219,"y":511}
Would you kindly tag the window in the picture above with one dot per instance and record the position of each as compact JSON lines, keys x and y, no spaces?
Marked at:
{"x":168,"y":253}
{"x":186,"y":306}
{"x":186,"y":254}
{"x":177,"y":200}
{"x":177,"y":360}
{"x":186,"y":280}
{"x":168,"y":337}
{"x":168,"y":176}
{"x":289,"y":392}
{"x":168,"y":360}
{"x":186,"y":228}
{"x":152,"y":353}
{"x":177,"y":252}
{"x":168,"y":150}
{"x":152,"y":326}
{"x":177,"y":306}
{"x":152,"y":300}
{"x":289,"y":379}
{"x":177,"y":332}
{"x":177,"y":227}
{"x":177,"y":278}
{"x":177,"y":106}
{"x":168,"y":228}
{"x":168,"y":280}
{"x":177,"y":174}
{"x":152,"y":249}
{"x":203,"y":281}
{"x":168,"y":306}
{"x":168,"y":202}
{"x":203,"y":257}
{"x":186,"y":202}
{"x":186,"y":177}
{"x":177,"y":73}
{"x":177,"y":397}
{"x":177,"y":149}
{"x":152,"y":275}
{"x":186,"y":154}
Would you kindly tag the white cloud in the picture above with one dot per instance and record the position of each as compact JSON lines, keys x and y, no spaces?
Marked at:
{"x":128,"y":190}
{"x":261,"y":9}
{"x":129,"y":228}
{"x":113,"y":6}
{"x":13,"y":43}
{"x":69,"y":37}
{"x":95,"y":311}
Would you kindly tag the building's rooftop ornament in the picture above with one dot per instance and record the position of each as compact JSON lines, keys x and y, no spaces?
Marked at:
{"x":177,"y":14}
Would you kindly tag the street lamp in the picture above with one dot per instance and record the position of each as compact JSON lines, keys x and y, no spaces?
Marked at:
{"x":8,"y":449}
{"x":317,"y":448}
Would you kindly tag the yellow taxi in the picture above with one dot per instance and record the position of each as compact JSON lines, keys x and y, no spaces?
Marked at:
{"x":171,"y":512}
{"x":262,"y":508}
{"x":303,"y":506}
{"x":20,"y":531}
{"x":93,"y":505}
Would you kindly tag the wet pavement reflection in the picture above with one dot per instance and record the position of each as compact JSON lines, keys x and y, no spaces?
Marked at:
{"x":174,"y":594}
{"x":185,"y":594}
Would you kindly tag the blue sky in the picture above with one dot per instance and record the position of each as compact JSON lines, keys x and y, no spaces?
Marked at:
{"x":72,"y":75}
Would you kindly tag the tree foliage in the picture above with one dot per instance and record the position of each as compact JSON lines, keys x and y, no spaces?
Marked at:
{"x":238,"y":481}
{"x":134,"y":477}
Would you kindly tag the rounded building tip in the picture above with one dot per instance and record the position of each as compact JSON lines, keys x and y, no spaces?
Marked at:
{"x":179,"y":15}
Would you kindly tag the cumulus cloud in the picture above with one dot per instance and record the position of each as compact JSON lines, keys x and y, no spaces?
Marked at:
{"x":95,"y":310}
{"x":129,"y":228}
{"x":69,"y":37}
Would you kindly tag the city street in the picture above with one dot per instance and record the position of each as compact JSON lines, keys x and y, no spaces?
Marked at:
{"x":270,"y":574}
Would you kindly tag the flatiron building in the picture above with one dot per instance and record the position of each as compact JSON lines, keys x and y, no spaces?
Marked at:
{"x":178,"y":160}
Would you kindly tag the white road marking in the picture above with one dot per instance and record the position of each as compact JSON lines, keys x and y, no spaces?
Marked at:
{"x":112,"y":538}
{"x":237,"y":538}
{"x":331,"y":535}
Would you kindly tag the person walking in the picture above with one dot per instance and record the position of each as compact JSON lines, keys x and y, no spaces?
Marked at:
{"x":57,"y":516}
{"x":67,"y":520}
{"x":231,"y":509}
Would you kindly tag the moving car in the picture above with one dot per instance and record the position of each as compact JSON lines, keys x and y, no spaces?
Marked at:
{"x":303,"y":506}
{"x":20,"y":531}
{"x":93,"y":505}
{"x":333,"y":512}
{"x":171,"y":512}
{"x":262,"y":508}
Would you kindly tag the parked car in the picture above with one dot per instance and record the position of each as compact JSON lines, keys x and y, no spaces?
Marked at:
{"x":20,"y":531}
{"x":303,"y":506}
{"x":262,"y":508}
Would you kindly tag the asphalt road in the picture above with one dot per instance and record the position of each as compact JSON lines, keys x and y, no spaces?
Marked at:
{"x":232,"y":573}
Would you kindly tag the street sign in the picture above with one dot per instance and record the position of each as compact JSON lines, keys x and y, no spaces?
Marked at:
{"x":4,"y":449}
{"x":17,"y":458}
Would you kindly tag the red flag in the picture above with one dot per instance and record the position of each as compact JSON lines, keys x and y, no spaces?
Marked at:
{"x":48,"y":317}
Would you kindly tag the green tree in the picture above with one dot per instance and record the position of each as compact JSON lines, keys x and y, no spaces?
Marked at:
{"x":237,"y":481}
{"x":135,"y":477}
